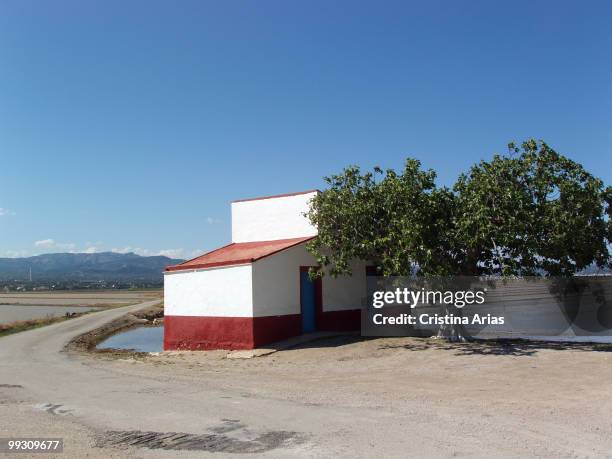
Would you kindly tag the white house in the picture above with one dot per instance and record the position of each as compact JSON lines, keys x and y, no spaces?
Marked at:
{"x":256,"y":290}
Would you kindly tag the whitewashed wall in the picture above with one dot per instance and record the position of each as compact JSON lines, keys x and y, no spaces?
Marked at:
{"x":345,"y":292}
{"x":217,"y":292}
{"x":271,"y":218}
{"x":276,"y":284}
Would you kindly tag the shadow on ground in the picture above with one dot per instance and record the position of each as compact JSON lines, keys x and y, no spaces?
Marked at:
{"x":332,"y":341}
{"x":515,"y":348}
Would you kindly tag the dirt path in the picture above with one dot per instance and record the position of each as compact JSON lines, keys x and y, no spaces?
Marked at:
{"x":349,"y":398}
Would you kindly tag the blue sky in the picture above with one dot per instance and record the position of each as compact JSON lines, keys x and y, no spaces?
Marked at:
{"x":131,"y":125}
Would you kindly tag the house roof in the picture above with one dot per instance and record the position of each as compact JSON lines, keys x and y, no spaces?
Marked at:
{"x":238,"y":253}
{"x":286,"y":195}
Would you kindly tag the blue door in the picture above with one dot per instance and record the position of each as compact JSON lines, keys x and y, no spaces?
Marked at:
{"x":308,"y":301}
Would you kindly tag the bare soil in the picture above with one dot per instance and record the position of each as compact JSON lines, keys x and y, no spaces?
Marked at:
{"x":336,"y":397}
{"x":547,"y":387}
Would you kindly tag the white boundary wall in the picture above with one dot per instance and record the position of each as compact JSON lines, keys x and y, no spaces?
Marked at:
{"x":272,"y":218}
{"x":215,"y":292}
{"x":346,"y":292}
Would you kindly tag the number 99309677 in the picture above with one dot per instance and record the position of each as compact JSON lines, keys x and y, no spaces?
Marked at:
{"x":31,"y":445}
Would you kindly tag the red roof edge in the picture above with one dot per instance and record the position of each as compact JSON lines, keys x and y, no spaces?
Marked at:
{"x":181,"y":267}
{"x":209,"y":265}
{"x":278,"y":196}
{"x":285,"y":248}
{"x":175,"y":267}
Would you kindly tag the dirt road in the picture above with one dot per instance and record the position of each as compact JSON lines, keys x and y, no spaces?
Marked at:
{"x":376,"y":398}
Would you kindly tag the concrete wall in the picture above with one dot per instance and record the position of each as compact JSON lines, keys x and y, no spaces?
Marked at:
{"x":268,"y":287}
{"x":272,"y":218}
{"x":276,"y":281}
{"x":218,"y":292}
{"x":247,"y":306}
{"x":345,"y":292}
{"x":276,"y":284}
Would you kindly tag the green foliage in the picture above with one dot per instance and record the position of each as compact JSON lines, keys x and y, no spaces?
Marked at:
{"x":398,"y":222}
{"x":530,"y":212}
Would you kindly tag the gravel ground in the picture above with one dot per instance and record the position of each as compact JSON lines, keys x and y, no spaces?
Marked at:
{"x":523,"y":397}
{"x":337,"y":397}
{"x":538,"y":379}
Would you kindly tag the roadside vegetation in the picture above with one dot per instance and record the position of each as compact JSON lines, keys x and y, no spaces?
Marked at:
{"x":23,"y":325}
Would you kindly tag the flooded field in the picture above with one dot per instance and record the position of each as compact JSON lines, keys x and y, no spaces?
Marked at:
{"x":10,"y":313}
{"x":77,"y":298}
{"x":142,"y":339}
{"x":16,"y":307}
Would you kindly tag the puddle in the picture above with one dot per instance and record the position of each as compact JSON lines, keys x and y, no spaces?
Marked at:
{"x":141,"y":339}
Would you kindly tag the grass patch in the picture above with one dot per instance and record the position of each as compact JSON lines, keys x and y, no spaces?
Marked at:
{"x":23,"y":325}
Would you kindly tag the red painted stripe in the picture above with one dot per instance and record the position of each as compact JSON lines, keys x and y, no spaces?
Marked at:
{"x":206,"y":333}
{"x":202,"y":333}
{"x":199,"y":333}
{"x":270,"y":329}
{"x":349,"y":320}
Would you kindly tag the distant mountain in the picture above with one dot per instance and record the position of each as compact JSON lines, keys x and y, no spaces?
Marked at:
{"x":104,"y":266}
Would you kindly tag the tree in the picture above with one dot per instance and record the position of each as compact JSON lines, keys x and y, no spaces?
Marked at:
{"x":530,"y":212}
{"x":396,"y":221}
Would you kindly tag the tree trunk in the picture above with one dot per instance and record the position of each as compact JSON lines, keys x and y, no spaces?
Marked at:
{"x":454,"y":333}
